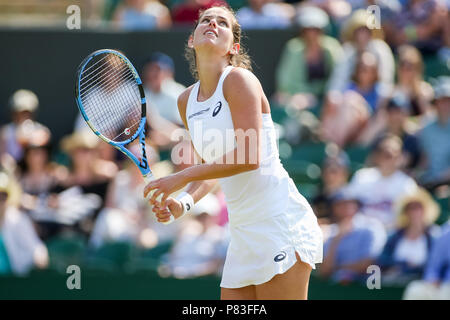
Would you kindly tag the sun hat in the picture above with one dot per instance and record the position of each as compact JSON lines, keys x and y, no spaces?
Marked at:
{"x":24,"y":100}
{"x":83,"y":138}
{"x":431,"y":208}
{"x":312,"y":17}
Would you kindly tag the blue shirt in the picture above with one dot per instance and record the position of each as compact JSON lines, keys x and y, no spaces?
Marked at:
{"x":438,"y":267}
{"x":353,"y":247}
{"x":434,"y":141}
{"x":5,"y":266}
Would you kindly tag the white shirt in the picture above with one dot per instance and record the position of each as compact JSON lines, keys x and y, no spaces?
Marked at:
{"x":378,"y":193}
{"x":414,"y":252}
{"x":21,"y":240}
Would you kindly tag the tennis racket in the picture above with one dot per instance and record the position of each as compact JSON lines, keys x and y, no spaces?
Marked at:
{"x":111,"y":99}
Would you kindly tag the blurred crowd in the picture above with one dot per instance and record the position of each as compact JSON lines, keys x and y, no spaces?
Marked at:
{"x":341,"y":85}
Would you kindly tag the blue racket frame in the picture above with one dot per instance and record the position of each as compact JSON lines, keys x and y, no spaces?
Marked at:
{"x":143,"y":163}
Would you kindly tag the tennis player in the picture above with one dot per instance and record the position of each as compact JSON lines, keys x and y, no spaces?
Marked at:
{"x":275,"y":237}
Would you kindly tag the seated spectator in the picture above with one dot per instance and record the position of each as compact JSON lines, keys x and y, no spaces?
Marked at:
{"x":186,"y":12}
{"x":142,"y":15}
{"x":408,"y":248}
{"x":365,"y":80}
{"x":357,"y":38}
{"x":335,"y":174}
{"x":344,"y":116}
{"x":436,"y":281}
{"x":162,"y":92}
{"x":127,"y":215}
{"x":353,"y":241}
{"x":36,"y":180}
{"x":265,"y":14}
{"x":410,"y":81}
{"x":161,"y":88}
{"x":379,"y":187}
{"x":393,"y":120}
{"x":20,"y":247}
{"x":419,"y":23}
{"x":23,"y":129}
{"x":201,"y":246}
{"x":434,"y":139}
{"x":78,"y":196}
{"x":306,"y":61}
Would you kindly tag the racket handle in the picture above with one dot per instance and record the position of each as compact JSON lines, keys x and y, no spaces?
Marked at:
{"x":148,"y":178}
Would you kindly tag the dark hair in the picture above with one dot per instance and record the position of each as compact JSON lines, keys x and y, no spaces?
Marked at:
{"x":242,"y":59}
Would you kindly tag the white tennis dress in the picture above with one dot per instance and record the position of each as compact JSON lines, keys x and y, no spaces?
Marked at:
{"x":269,"y":219}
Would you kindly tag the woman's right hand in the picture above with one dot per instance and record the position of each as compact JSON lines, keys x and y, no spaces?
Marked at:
{"x":172,"y":207}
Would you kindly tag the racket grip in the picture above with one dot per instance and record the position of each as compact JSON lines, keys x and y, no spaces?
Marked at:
{"x":148,"y":179}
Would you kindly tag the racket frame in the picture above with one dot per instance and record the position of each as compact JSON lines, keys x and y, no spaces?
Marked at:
{"x":143,"y":163}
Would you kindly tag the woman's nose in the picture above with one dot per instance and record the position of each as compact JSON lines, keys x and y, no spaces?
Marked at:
{"x":213,"y":23}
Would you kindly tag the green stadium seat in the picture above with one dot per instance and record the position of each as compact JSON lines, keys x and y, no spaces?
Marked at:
{"x":65,"y":251}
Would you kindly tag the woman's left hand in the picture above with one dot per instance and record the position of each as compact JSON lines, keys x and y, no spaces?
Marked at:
{"x":165,"y":186}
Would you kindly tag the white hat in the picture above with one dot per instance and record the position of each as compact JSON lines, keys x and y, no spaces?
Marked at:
{"x":24,"y":100}
{"x":312,"y":17}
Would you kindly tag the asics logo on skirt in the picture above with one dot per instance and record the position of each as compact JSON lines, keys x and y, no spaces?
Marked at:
{"x":279,"y":257}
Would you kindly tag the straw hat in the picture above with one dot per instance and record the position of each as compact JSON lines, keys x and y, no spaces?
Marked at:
{"x":4,"y":182}
{"x":431,"y":208}
{"x":357,"y":20}
{"x":83,"y":138}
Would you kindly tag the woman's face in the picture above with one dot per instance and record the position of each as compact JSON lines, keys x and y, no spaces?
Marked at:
{"x":37,"y":158}
{"x":214,"y":32}
{"x":415,"y":212}
{"x":366,"y":74}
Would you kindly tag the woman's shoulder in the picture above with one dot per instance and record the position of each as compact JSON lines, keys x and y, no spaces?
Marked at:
{"x":240,"y":76}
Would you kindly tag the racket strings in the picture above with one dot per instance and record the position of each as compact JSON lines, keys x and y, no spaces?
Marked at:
{"x":111,"y":98}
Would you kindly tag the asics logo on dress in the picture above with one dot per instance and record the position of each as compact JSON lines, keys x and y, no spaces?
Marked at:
{"x":279,"y":257}
{"x":198,"y":113}
{"x":217,"y":108}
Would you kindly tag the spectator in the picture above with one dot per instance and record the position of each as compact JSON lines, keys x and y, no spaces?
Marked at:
{"x":162,"y":92}
{"x":436,"y":281}
{"x":20,"y":247}
{"x":265,"y":14}
{"x":142,"y":15}
{"x":344,"y":116}
{"x":186,"y":13}
{"x":357,"y":38}
{"x":127,"y":215}
{"x":419,"y":23}
{"x":365,"y":80}
{"x":306,"y":61}
{"x":161,"y":88}
{"x":36,"y":181}
{"x":78,"y":196}
{"x":393,"y":120}
{"x":335,"y":174}
{"x":23,"y":129}
{"x":199,"y":249}
{"x":354,"y":241}
{"x":379,"y":187}
{"x":434,"y":139}
{"x":410,"y":81}
{"x":407,"y":249}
